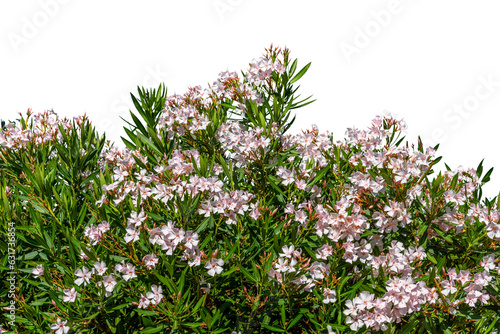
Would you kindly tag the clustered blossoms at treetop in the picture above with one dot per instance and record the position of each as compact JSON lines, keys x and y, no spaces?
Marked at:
{"x":212,"y":219}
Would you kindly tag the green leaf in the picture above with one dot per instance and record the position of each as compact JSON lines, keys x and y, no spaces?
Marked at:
{"x":443,"y":235}
{"x":410,"y":326}
{"x":272,"y":328}
{"x":432,"y":258}
{"x":479,"y":169}
{"x":294,"y":321}
{"x":273,"y":181}
{"x":153,"y":329}
{"x":247,"y":274}
{"x":149,"y":143}
{"x":168,"y":282}
{"x":486,"y":177}
{"x":282,"y":313}
{"x":319,"y":176}
{"x":300,"y":74}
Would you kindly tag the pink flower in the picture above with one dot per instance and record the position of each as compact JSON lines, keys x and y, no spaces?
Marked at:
{"x":288,"y":178}
{"x":120,"y":174}
{"x":300,"y":216}
{"x":324,"y":251}
{"x":471,"y":298}
{"x":290,"y":208}
{"x":255,"y":214}
{"x":205,"y":210}
{"x":93,"y":233}
{"x":193,"y":256}
{"x":141,"y":176}
{"x":103,"y":227}
{"x":281,"y":266}
{"x":351,"y":308}
{"x":452,"y":274}
{"x":301,"y":184}
{"x":156,"y":236}
{"x":488,"y":262}
{"x":484,"y":297}
{"x":448,"y":287}
{"x":354,"y":323}
{"x":318,"y":270}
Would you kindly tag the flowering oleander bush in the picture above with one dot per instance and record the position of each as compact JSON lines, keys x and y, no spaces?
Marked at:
{"x":213,"y":220}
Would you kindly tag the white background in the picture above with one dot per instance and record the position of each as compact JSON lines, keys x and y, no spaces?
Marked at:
{"x":428,"y":62}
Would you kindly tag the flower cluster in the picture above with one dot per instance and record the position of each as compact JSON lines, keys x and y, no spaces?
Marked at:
{"x":45,"y":128}
{"x":356,"y":226}
{"x":403,"y":296}
{"x":169,"y":237}
{"x":180,"y":118}
{"x":292,"y":261}
{"x":154,"y":297}
{"x":94,"y":234}
{"x":240,"y":145}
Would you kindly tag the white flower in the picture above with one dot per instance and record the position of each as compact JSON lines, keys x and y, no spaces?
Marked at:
{"x":109,"y":282}
{"x":37,"y":271}
{"x":193,"y":256}
{"x":143,"y":302}
{"x":60,"y":327}
{"x":330,"y":296}
{"x":488,"y":262}
{"x":191,"y":239}
{"x":83,"y":255}
{"x":214,"y":266}
{"x":100,"y":267}
{"x":150,"y":260}
{"x":103,"y":227}
{"x":136,"y":219}
{"x":288,"y":251}
{"x":206,"y":289}
{"x":132,"y":234}
{"x":70,"y":295}
{"x":155,"y":296}
{"x":84,"y":275}
{"x":177,"y":235}
{"x":282,"y":265}
{"x":128,"y":272}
